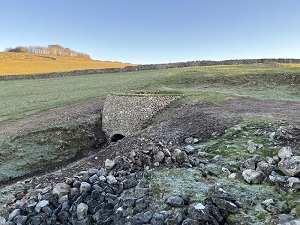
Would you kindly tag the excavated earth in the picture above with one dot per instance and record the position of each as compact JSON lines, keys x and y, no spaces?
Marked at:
{"x":169,"y":129}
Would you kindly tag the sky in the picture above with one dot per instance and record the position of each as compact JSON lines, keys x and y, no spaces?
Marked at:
{"x":156,"y":31}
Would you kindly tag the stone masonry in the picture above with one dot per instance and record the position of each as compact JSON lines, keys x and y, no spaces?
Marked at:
{"x":125,"y":115}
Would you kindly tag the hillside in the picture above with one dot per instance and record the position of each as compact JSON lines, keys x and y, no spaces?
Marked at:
{"x":226,"y":152}
{"x":28,"y":63}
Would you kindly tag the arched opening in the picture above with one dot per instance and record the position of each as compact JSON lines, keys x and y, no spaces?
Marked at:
{"x":116,"y":137}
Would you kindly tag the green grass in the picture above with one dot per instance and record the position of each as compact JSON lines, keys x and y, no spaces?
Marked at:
{"x":212,"y":83}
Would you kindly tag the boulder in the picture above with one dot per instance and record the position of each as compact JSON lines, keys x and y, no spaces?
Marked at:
{"x":252,"y":176}
{"x":290,"y":166}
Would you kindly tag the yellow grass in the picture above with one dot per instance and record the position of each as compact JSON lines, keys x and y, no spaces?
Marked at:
{"x":292,"y":65}
{"x":24,"y":63}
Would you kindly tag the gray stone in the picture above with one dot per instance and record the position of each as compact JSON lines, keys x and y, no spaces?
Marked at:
{"x":110,"y":179}
{"x":63,"y":199}
{"x":189,"y":221}
{"x":265,"y":168}
{"x":189,"y":140}
{"x":109,"y":164}
{"x":129,"y":183}
{"x":294,"y":182}
{"x":189,"y":149}
{"x":102,"y":172}
{"x":200,"y":214}
{"x":61,"y":189}
{"x":275,"y":177}
{"x":292,"y":222}
{"x":225,"y":205}
{"x":273,"y":209}
{"x":40,"y":205}
{"x":159,"y":157}
{"x":252,"y":147}
{"x":167,"y":152}
{"x":182,"y":158}
{"x":2,"y":220}
{"x":93,"y":178}
{"x":199,"y":206}
{"x":81,"y":211}
{"x":92,"y":171}
{"x":128,"y":201}
{"x":175,"y":201}
{"x":20,"y":220}
{"x":157,"y":219}
{"x":252,"y":176}
{"x":85,"y":187}
{"x":284,"y":218}
{"x":74,"y":191}
{"x":268,"y":202}
{"x":285,"y":152}
{"x":14,"y":213}
{"x":290,"y":166}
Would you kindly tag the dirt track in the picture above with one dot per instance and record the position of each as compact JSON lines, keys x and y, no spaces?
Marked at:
{"x":81,"y":112}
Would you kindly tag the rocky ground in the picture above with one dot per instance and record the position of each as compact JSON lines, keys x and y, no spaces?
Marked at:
{"x":197,"y":163}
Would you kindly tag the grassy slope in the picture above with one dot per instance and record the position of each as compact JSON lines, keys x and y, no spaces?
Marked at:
{"x":23,"y":63}
{"x":22,"y":97}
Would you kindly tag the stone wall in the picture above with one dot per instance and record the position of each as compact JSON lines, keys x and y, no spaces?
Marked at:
{"x":125,"y":115}
{"x":148,"y":67}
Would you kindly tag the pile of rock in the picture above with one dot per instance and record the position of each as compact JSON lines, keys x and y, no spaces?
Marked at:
{"x":110,"y":196}
{"x":258,"y":169}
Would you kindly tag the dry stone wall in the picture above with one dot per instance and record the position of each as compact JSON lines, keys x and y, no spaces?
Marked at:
{"x":147,"y":67}
{"x":125,"y":115}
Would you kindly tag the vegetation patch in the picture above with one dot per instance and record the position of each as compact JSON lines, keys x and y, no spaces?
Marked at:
{"x":37,"y":150}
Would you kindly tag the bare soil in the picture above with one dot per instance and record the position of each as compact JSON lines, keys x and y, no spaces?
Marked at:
{"x":173,"y":125}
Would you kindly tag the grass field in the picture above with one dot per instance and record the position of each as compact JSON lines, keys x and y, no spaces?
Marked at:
{"x":24,"y":63}
{"x":212,"y":83}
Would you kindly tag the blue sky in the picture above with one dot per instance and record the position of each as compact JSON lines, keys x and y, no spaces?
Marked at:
{"x":156,"y":31}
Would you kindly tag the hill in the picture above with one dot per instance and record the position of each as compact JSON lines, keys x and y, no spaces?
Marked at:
{"x":12,"y":63}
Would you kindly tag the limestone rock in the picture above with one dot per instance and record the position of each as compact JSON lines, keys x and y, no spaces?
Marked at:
{"x":268,"y":202}
{"x":251,"y":146}
{"x":285,"y":152}
{"x":159,"y":157}
{"x":284,"y":218}
{"x":252,"y":176}
{"x":111,"y":179}
{"x":82,"y":210}
{"x":85,"y":187}
{"x":188,"y":149}
{"x":175,"y":201}
{"x":290,"y":166}
{"x":14,"y":213}
{"x":109,"y":164}
{"x":265,"y":168}
{"x":40,"y":205}
{"x":294,"y":182}
{"x":2,"y":221}
{"x":61,"y":189}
